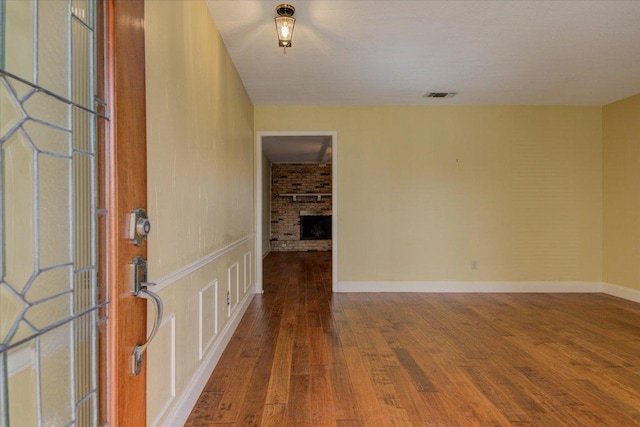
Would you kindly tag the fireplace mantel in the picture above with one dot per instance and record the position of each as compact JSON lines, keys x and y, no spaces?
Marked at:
{"x":318,"y":196}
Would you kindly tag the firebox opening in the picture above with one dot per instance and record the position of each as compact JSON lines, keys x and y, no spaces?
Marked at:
{"x":315,"y":227}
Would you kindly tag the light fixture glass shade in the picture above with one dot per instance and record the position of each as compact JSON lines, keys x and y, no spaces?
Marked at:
{"x":284,"y":26}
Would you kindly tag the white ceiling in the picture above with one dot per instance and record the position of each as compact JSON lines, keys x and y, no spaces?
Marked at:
{"x":297,"y":149}
{"x":356,"y":52}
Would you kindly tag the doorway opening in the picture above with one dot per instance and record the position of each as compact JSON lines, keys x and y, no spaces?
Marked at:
{"x":296,"y":155}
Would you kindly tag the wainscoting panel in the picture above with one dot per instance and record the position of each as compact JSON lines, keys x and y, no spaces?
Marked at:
{"x":233,"y":288}
{"x":189,"y":395}
{"x":161,"y":359}
{"x":207,"y":317}
{"x":203,"y":325}
{"x":247,"y":271}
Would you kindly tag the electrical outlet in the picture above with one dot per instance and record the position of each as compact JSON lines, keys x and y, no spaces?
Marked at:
{"x":474,"y":265}
{"x":228,"y":298}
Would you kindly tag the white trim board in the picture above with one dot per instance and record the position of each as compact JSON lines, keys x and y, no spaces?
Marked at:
{"x":459,"y":287}
{"x":171,"y":278}
{"x":189,"y":396}
{"x":621,"y":292}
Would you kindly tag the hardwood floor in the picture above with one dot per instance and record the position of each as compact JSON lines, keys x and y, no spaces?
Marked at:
{"x":303,"y":356}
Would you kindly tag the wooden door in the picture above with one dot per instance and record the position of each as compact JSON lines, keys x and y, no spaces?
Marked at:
{"x":127,"y":187}
{"x":72,"y":167}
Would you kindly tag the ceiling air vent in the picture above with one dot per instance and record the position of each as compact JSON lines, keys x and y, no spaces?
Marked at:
{"x":440,"y":94}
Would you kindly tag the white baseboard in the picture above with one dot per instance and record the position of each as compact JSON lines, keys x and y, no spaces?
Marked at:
{"x":181,"y":411}
{"x":621,"y":292}
{"x":459,"y":287}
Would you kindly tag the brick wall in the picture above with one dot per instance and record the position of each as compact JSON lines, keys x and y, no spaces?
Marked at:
{"x":296,"y":178}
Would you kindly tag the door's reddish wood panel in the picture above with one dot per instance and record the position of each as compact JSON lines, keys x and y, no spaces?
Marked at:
{"x":127,"y":188}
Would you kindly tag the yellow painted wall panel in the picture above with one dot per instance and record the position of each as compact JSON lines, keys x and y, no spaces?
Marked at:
{"x":621,"y":200}
{"x":425,"y":191}
{"x":199,"y":137}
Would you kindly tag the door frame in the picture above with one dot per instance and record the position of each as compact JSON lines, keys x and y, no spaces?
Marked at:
{"x":259,"y":201}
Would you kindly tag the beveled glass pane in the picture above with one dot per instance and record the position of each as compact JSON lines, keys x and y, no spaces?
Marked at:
{"x":49,"y":312}
{"x":20,"y":89}
{"x":47,"y":138}
{"x":81,"y":64}
{"x":18,"y":203}
{"x":10,"y":308}
{"x":101,"y":152}
{"x":49,"y":283}
{"x":48,"y":212}
{"x":102,"y":331}
{"x":84,"y":330}
{"x":19,"y":40}
{"x":10,"y":113}
{"x":22,"y":385}
{"x":101,"y":273}
{"x":55,"y":373}
{"x":82,"y":133}
{"x":54,"y":210}
{"x":80,"y":9}
{"x":24,"y":331}
{"x":82,"y":184}
{"x":53,"y":46}
{"x":84,"y":411}
{"x":83,"y":291}
{"x":48,"y":109}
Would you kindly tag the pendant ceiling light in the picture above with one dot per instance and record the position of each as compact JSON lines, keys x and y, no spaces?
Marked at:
{"x":284,"y":25}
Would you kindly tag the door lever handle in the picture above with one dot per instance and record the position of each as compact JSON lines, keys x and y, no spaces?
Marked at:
{"x":139,"y":350}
{"x":139,"y":288}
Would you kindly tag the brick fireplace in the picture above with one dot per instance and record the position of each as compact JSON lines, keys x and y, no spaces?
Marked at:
{"x":300,"y":190}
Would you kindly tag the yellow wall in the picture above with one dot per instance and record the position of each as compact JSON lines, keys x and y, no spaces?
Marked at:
{"x":200,"y":190}
{"x":200,"y":137}
{"x":425,"y":191}
{"x":621,"y":181}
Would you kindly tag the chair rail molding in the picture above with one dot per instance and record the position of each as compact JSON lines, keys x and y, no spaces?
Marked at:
{"x":169,"y":279}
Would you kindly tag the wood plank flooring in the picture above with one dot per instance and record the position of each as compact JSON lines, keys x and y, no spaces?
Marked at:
{"x":303,"y":356}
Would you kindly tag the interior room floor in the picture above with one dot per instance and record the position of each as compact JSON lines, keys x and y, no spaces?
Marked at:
{"x":303,"y":356}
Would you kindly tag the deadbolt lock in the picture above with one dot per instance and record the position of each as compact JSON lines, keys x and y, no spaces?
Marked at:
{"x":139,"y":226}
